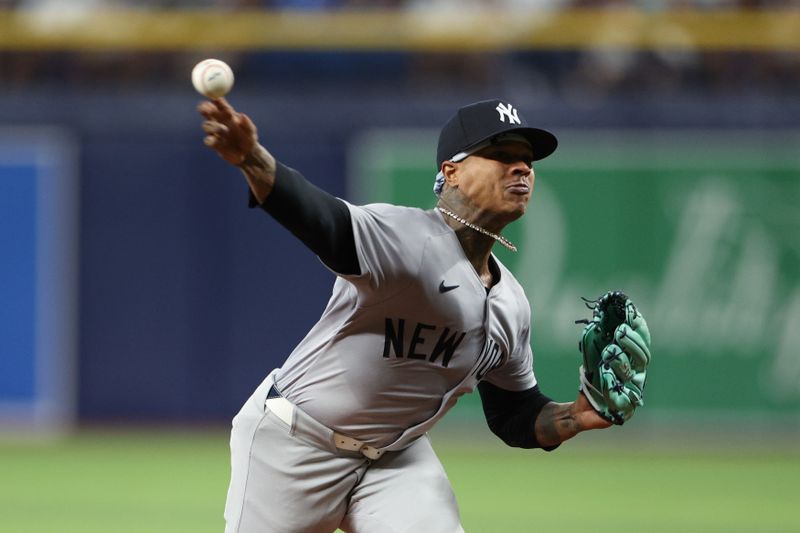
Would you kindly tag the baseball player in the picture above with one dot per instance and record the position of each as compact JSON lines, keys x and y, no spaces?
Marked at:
{"x":421,"y":313}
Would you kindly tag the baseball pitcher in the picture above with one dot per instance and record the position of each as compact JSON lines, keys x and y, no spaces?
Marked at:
{"x":421,"y":313}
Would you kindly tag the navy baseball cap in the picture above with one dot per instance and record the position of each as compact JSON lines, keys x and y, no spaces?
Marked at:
{"x":479,"y":123}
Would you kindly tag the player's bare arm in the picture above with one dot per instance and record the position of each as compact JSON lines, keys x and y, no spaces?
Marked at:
{"x":558,"y":422}
{"x":320,"y":220}
{"x":259,"y":169}
{"x":235,"y":138}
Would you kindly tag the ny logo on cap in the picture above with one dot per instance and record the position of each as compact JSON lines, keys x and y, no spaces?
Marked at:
{"x":508,"y":111}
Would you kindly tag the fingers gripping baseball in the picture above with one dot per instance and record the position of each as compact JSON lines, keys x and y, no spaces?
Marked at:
{"x":615,"y":345}
{"x":230,"y":133}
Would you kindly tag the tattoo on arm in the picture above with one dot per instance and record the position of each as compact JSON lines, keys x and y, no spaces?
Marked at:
{"x":259,"y":169}
{"x":556,"y":423}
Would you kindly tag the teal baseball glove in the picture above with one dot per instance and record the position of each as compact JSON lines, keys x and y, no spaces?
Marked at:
{"x":616,"y":351}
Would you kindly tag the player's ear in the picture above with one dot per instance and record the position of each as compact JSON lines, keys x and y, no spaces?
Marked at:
{"x":449,"y":172}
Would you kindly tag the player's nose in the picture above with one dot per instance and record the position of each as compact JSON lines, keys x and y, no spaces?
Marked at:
{"x":521,"y":168}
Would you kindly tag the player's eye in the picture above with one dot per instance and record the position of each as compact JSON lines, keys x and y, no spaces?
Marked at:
{"x":508,"y":158}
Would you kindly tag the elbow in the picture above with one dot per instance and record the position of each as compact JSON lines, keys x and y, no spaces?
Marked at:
{"x":515,"y":437}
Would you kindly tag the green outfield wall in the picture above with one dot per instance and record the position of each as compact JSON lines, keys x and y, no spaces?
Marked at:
{"x":701,"y":228}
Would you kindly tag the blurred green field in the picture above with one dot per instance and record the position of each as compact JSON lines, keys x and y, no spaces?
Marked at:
{"x":175,"y":481}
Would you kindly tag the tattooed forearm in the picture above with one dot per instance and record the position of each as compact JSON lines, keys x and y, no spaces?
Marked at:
{"x":259,"y":169}
{"x":556,"y":423}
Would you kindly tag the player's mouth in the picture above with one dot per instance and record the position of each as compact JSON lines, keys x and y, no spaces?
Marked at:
{"x":520,"y":188}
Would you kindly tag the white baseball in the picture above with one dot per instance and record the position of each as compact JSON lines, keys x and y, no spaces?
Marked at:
{"x":212,"y":78}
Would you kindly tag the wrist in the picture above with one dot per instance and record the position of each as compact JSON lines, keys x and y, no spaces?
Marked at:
{"x":556,"y":423}
{"x":254,"y":157}
{"x":259,"y":168}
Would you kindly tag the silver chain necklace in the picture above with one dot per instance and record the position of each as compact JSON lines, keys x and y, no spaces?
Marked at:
{"x":499,"y":238}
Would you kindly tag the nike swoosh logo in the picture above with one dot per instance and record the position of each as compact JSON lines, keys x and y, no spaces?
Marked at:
{"x":446,"y":288}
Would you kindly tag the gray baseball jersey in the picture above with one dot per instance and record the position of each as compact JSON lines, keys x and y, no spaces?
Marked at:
{"x":398,"y":344}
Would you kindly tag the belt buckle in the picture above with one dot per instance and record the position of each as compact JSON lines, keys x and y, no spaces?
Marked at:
{"x":371,"y":452}
{"x":344,"y":442}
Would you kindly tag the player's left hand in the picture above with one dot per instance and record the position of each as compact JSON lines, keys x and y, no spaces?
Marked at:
{"x":230,"y":133}
{"x":585,"y":415}
{"x":615,"y":345}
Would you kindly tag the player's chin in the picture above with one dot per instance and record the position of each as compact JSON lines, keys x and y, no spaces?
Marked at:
{"x":517,"y":205}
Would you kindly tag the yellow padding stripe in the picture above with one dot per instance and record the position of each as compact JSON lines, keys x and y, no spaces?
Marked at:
{"x":157,"y":30}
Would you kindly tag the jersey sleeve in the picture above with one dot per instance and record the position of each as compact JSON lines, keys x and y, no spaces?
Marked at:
{"x":517,"y":373}
{"x":389,"y":241}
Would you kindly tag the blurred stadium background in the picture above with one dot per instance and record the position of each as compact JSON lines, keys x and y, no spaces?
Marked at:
{"x":141,"y":301}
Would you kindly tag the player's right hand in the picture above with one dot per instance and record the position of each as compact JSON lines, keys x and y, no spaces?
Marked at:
{"x":230,"y":133}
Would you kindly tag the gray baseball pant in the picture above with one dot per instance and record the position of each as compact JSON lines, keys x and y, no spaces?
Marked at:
{"x":292,"y":479}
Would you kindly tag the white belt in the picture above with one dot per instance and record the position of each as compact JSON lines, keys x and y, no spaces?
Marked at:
{"x":284,"y":409}
{"x":343,"y":442}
